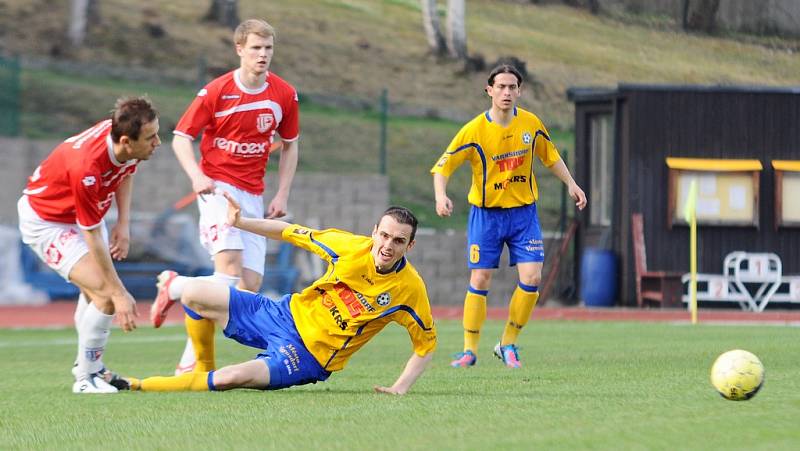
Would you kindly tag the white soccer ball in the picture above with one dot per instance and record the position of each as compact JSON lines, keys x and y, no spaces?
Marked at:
{"x":737,"y":375}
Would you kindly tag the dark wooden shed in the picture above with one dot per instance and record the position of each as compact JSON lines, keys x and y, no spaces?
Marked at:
{"x":625,"y":135}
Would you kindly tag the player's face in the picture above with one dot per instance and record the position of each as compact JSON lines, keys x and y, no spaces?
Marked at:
{"x":504,"y":92}
{"x":390,"y":241}
{"x":256,"y":53}
{"x":144,"y":147}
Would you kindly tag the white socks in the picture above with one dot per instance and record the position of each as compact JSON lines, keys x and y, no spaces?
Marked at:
{"x":80,"y":308}
{"x":175,"y":292}
{"x":93,"y":332}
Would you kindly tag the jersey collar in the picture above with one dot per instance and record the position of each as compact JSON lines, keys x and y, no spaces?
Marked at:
{"x":247,"y":90}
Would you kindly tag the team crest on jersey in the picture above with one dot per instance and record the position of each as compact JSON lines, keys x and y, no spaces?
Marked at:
{"x":384,"y":299}
{"x":89,"y":180}
{"x":526,"y":138}
{"x":264,"y":122}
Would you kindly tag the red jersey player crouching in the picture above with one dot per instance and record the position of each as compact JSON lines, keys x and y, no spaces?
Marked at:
{"x":239,"y":114}
{"x":308,"y":335}
{"x":61,"y":219}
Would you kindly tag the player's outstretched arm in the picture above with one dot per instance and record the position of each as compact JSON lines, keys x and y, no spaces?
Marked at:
{"x":414,"y":368}
{"x":444,"y":206}
{"x":286,"y":169}
{"x":124,"y":304}
{"x":270,"y":228}
{"x":184,"y":152}
{"x":561,"y":171}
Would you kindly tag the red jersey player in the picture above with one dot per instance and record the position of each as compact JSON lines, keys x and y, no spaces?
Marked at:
{"x":240,"y":114}
{"x":61,"y":218}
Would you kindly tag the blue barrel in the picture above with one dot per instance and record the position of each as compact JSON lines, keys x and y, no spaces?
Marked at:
{"x":598,"y":277}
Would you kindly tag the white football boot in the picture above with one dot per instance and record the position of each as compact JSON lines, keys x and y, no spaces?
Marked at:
{"x":93,"y":383}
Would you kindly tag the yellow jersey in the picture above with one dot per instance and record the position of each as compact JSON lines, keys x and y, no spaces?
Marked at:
{"x":352,"y":302}
{"x":501,"y":159}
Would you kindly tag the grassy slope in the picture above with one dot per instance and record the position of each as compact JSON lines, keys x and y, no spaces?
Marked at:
{"x":581,"y":388}
{"x":356,"y":48}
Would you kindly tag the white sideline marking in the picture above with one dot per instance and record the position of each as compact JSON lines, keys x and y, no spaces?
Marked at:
{"x":73,"y":341}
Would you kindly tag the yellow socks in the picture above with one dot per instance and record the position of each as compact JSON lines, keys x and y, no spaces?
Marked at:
{"x":519,"y":311}
{"x":196,"y":381}
{"x":201,"y":332}
{"x":474,"y":316}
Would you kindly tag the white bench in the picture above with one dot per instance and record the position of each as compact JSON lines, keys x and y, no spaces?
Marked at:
{"x":750,"y":279}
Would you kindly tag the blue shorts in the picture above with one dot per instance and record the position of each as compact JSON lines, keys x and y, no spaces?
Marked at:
{"x":260,"y":322}
{"x":489,"y":228}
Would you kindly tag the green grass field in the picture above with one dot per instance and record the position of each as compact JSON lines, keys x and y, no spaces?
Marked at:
{"x":599,"y":385}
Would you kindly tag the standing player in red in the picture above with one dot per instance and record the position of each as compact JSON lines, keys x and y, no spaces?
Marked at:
{"x":239,"y":114}
{"x":61,"y":218}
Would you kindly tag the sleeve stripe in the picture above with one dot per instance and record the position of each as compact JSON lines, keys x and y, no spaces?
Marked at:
{"x":478,"y":149}
{"x":383,"y":315}
{"x":325,"y":248}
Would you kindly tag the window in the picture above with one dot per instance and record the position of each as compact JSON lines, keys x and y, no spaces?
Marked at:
{"x":787,"y":180}
{"x":601,"y":148}
{"x":727,"y":190}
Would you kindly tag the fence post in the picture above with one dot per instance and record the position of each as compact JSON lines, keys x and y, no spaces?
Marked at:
{"x":563,"y":219}
{"x":384,"y":106}
{"x":10,"y":107}
{"x":201,"y":72}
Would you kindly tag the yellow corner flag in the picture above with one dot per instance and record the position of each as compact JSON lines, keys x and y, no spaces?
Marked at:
{"x":690,"y":207}
{"x":690,"y":214}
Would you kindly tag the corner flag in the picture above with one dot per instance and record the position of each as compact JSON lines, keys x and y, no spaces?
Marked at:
{"x":690,"y":215}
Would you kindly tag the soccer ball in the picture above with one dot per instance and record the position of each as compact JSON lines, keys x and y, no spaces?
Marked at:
{"x":737,"y":375}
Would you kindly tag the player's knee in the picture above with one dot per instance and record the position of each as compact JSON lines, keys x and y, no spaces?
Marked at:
{"x":193,"y":293}
{"x":481,"y":280}
{"x":230,"y":377}
{"x":531,"y":279}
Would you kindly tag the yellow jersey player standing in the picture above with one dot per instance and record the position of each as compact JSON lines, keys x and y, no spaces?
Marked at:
{"x":308,"y":335}
{"x":500,"y":145}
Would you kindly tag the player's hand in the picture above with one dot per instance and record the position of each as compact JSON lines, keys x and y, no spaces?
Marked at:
{"x":277,"y":207}
{"x":119,"y":241}
{"x":234,"y":210}
{"x":202,"y":184}
{"x":444,"y":206}
{"x":125,"y":310}
{"x":577,"y":194}
{"x":389,"y":390}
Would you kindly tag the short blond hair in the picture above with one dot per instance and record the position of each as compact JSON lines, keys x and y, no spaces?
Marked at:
{"x":252,"y":26}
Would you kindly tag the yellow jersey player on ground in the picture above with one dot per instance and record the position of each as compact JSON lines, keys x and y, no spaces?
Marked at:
{"x":500,"y":145}
{"x":308,"y":335}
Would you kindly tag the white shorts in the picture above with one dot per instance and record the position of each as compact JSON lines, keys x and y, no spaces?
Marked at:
{"x":216,"y":235}
{"x":57,"y":244}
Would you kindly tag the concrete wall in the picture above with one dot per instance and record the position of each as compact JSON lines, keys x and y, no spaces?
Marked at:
{"x":348,"y":202}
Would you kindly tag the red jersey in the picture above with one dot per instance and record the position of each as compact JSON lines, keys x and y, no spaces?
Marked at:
{"x":76,"y":183}
{"x":238,"y":127}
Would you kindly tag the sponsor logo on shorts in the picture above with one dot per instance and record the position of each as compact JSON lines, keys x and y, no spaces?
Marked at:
{"x":291,"y":358}
{"x":52,"y":256}
{"x":247,"y":150}
{"x":384,"y":299}
{"x":67,"y":236}
{"x":535,"y":245}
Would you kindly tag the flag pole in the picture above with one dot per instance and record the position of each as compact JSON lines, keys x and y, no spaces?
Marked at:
{"x":690,"y":214}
